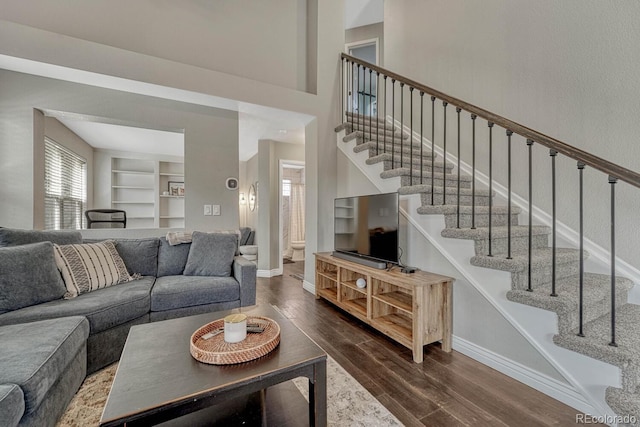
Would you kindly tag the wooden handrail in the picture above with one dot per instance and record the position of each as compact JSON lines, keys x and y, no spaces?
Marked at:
{"x":577,"y":154}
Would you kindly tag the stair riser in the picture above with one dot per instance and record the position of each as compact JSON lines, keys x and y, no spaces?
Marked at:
{"x":437,"y":182}
{"x":452,"y":199}
{"x":541,"y":277}
{"x":518,"y":245}
{"x":482,"y":220}
{"x":354,"y":118}
{"x":427,"y":167}
{"x":373,"y":132}
{"x":407,"y":153}
{"x":569,"y":322}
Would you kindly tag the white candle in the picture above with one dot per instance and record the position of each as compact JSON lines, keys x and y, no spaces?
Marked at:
{"x":235,"y":327}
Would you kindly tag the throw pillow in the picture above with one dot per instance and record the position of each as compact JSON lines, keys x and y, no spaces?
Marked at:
{"x":90,"y":266}
{"x":211,"y":254}
{"x":28,"y":276}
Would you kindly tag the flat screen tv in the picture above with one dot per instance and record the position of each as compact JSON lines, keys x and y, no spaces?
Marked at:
{"x":366,"y":227}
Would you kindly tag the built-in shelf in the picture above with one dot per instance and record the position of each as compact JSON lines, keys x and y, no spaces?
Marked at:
{"x":166,"y":196}
{"x":171,"y":217}
{"x":132,"y":202}
{"x":171,"y":174}
{"x":132,"y":172}
{"x":131,"y":187}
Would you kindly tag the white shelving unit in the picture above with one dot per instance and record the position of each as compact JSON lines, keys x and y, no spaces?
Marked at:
{"x":137,"y":187}
{"x":345,"y":212}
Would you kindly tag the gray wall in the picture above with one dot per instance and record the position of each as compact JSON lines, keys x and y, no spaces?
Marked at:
{"x":565,"y":68}
{"x":211,"y":139}
{"x":367,"y":32}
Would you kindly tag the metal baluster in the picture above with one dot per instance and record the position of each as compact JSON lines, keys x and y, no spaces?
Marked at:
{"x":530,"y":145}
{"x":509,"y":133}
{"x":612,"y":181}
{"x":458,"y":110}
{"x":384,"y":138}
{"x":473,"y":171}
{"x":581,"y":295}
{"x":411,"y":136}
{"x":378,"y":113}
{"x":444,"y":152}
{"x":393,"y":122}
{"x":370,"y":103}
{"x":358,"y":99}
{"x":490,"y":180}
{"x":342,"y":110}
{"x":553,"y":154}
{"x":433,"y":133}
{"x":401,"y":125}
{"x":349,"y":86}
{"x":421,"y":133}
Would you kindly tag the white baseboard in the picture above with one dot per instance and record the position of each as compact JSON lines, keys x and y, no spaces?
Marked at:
{"x":269,"y":273}
{"x":309,"y":287}
{"x":559,"y":390}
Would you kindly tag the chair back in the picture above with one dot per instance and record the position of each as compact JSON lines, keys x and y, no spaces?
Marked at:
{"x":106,"y":218}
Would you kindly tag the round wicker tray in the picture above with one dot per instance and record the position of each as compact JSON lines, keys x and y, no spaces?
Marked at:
{"x":217,"y":351}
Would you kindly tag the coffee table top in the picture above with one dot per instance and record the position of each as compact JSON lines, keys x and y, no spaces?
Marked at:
{"x":156,"y":369}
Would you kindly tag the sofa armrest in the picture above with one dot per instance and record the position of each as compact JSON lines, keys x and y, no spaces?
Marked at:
{"x":245,"y":271}
{"x":11,"y":404}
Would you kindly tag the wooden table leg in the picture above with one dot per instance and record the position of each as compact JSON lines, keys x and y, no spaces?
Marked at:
{"x":318,"y":395}
{"x":418,"y":324}
{"x":447,"y":316}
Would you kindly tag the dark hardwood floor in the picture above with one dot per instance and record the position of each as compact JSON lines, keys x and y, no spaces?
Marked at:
{"x":447,"y":389}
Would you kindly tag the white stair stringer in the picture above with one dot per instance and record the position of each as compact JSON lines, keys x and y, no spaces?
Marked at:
{"x":589,"y":377}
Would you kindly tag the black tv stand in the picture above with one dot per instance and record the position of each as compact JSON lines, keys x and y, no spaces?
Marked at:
{"x":369,"y":262}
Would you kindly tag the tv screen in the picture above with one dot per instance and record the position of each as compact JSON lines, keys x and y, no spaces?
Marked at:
{"x":367,"y":226}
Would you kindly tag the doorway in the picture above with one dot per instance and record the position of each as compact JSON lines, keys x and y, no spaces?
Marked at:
{"x":365,"y":100}
{"x":292,"y":211}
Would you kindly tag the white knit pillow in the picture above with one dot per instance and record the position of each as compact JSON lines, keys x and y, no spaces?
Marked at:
{"x":90,"y":266}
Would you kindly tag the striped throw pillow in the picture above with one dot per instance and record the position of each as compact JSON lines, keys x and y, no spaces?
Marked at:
{"x":90,"y":266}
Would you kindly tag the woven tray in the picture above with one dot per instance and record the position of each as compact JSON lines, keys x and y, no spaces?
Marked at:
{"x":217,"y":351}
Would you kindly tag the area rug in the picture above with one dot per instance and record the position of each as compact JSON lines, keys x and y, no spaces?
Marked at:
{"x":349,"y":403}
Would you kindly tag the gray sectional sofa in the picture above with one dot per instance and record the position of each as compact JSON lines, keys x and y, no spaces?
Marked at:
{"x":48,"y":344}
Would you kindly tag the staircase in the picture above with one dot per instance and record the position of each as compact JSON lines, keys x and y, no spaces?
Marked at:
{"x":537,"y":269}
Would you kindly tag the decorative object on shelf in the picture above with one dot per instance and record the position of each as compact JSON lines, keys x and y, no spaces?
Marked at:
{"x":176,"y":188}
{"x":243,"y":200}
{"x":361,"y":283}
{"x":252,"y":198}
{"x":216,"y":351}
{"x":235,"y":327}
{"x":231,"y":183}
{"x":165,"y":193}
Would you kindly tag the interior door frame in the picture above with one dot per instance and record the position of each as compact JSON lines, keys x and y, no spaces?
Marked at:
{"x":282,"y":164}
{"x":362,"y":43}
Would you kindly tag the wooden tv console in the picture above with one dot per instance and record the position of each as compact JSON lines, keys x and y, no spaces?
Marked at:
{"x":413,"y":309}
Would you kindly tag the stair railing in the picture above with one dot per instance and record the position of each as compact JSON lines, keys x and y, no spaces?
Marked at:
{"x":354,"y":81}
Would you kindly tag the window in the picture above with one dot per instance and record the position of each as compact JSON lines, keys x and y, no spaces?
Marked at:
{"x":65,"y":187}
{"x":286,"y":187}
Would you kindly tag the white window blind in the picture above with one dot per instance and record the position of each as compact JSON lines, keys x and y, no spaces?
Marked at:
{"x":286,"y":187}
{"x":65,"y":187}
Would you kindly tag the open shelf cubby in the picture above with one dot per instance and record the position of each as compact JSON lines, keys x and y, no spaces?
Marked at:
{"x":413,"y":309}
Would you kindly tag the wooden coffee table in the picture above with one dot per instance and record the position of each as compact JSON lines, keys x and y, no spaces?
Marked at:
{"x":158,"y":380}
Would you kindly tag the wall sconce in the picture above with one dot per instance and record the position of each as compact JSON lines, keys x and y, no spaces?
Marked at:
{"x":243,"y":201}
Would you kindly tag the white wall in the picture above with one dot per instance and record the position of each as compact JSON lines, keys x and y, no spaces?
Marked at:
{"x":211,"y":139}
{"x":229,"y":36}
{"x":81,"y":58}
{"x":567,"y":69}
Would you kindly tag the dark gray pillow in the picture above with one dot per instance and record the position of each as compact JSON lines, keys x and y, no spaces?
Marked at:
{"x":15,"y":237}
{"x":172,"y":259}
{"x":211,"y":254}
{"x":139,"y":255}
{"x":28,"y":276}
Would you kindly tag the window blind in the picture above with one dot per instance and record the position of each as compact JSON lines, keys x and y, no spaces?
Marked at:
{"x":65,"y":187}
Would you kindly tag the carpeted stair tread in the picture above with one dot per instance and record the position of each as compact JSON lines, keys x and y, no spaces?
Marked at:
{"x":373,"y":131}
{"x":354,"y":117}
{"x":520,"y":262}
{"x":467,"y":210}
{"x":597,"y":337}
{"x":451,"y":191}
{"x":482,"y":233}
{"x":407,"y":150}
{"x":596,"y":298}
{"x":416,"y":159}
{"x":406,"y":171}
{"x":382,"y":137}
{"x":624,"y":403}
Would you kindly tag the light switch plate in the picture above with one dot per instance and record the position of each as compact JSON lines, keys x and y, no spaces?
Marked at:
{"x":207,"y":210}
{"x":216,"y":210}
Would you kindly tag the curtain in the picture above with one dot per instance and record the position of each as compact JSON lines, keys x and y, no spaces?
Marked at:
{"x":296,"y":213}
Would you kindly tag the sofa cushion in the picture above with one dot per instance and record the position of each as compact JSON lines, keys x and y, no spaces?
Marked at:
{"x":11,"y":404}
{"x":15,"y":237}
{"x":28,"y":275}
{"x":171,"y":292}
{"x":172,"y":259}
{"x":211,"y":254}
{"x":51,"y":345}
{"x":90,"y":266}
{"x":104,"y":309}
{"x":139,"y":255}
